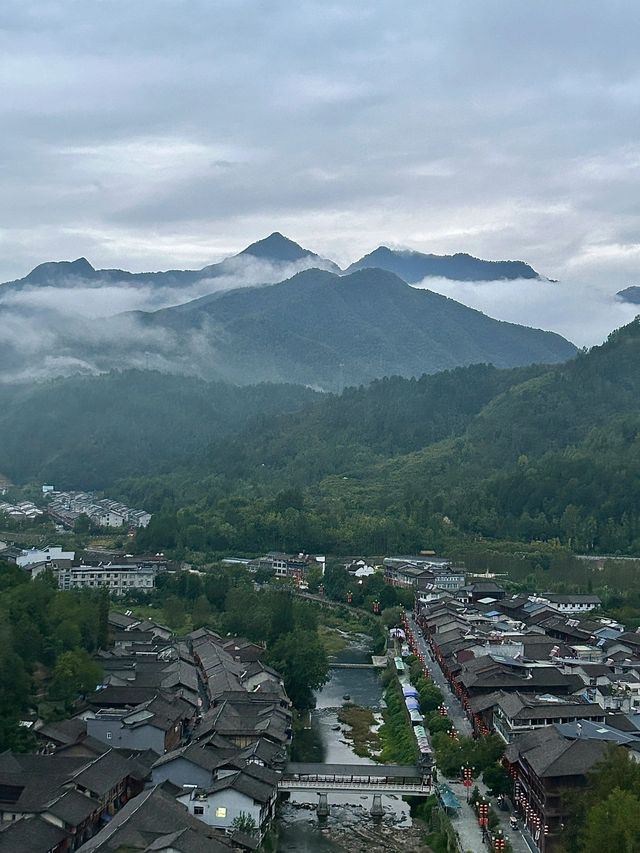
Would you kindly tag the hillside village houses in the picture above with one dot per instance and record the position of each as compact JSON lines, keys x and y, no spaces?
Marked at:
{"x":23,"y":511}
{"x":554,"y":680}
{"x":423,"y":573}
{"x":293,"y":566}
{"x":67,"y":507}
{"x":119,"y":577}
{"x":181,"y":740}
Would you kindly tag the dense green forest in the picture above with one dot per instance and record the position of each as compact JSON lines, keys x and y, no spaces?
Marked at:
{"x":86,"y":432}
{"x":46,"y":641}
{"x":525,"y":454}
{"x":536,"y":453}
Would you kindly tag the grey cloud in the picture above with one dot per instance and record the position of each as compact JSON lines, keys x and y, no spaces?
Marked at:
{"x":152,"y":135}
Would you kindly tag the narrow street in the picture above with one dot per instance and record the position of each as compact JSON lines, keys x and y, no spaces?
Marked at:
{"x":465,"y":824}
{"x":455,"y":709}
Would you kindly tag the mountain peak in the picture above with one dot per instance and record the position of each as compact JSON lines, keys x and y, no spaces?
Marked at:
{"x":277,"y":247}
{"x":53,"y":271}
{"x":413,"y":266}
{"x":630,"y":294}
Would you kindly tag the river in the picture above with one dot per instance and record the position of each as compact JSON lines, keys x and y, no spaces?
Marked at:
{"x":300,"y":829}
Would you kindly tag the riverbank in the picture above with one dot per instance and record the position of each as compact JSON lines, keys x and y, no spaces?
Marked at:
{"x":333,"y":639}
{"x":396,"y":734}
{"x":349,"y":828}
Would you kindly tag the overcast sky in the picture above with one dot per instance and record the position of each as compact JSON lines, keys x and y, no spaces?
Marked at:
{"x":151,"y":134}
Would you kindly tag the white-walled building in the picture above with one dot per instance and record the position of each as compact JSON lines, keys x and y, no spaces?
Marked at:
{"x":50,"y":554}
{"x":567,"y":604}
{"x":250,"y":793}
{"x":118,"y":579}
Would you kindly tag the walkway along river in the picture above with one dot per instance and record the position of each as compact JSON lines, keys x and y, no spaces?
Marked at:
{"x":349,"y":816}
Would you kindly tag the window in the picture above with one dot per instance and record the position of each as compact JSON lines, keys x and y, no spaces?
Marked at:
{"x":198,"y":809}
{"x":221,"y":811}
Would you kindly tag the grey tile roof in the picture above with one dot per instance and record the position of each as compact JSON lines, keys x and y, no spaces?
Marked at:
{"x":245,"y":783}
{"x":30,"y":835}
{"x":550,"y":755}
{"x":105,"y":772}
{"x":72,"y":807}
{"x":152,"y":815}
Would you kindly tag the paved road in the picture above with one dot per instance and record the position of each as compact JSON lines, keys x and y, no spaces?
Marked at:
{"x":466,"y":824}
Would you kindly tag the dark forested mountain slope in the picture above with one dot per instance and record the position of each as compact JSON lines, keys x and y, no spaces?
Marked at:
{"x":86,"y":432}
{"x":327,"y":330}
{"x":532,"y":453}
{"x":555,"y":456}
{"x":414,"y":266}
{"x":345,"y":434}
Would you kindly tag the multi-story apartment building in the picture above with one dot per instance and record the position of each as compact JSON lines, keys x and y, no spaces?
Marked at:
{"x":118,"y":579}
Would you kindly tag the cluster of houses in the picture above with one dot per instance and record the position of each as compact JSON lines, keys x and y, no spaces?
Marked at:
{"x":423,"y":574}
{"x":23,"y":511}
{"x":294,"y":567}
{"x":180,"y":749}
{"x":549,"y":676}
{"x":66,"y":507}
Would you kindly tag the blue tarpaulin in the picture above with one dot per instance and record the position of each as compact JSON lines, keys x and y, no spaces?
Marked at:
{"x":447,"y":797}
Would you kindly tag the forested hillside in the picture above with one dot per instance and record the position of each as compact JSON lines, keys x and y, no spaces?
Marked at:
{"x":46,"y":641}
{"x":86,"y":432}
{"x":541,"y":453}
{"x":327,"y":330}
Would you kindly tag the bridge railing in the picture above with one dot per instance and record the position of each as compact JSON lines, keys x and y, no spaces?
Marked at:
{"x":383,"y":787}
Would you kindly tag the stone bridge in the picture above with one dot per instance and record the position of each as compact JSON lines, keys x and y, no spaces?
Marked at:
{"x":374,"y":779}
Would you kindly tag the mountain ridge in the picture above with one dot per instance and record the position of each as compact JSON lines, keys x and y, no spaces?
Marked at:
{"x":274,"y":249}
{"x":413,"y":266}
{"x":539,"y":455}
{"x":326,"y":330}
{"x":410,"y":265}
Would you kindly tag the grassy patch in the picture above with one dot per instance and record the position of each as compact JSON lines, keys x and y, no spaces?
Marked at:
{"x":398,"y":740}
{"x":360,"y":720}
{"x":346,"y":620}
{"x":332,"y":640}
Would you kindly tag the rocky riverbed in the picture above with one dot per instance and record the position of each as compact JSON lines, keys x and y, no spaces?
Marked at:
{"x":348,"y":828}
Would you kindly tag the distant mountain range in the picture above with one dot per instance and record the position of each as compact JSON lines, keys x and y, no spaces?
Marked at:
{"x":279,"y":250}
{"x":274,"y":249}
{"x":413,"y":267}
{"x":275,"y":312}
{"x":630,"y":294}
{"x":327,"y":330}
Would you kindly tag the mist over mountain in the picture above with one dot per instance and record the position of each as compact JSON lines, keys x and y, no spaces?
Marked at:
{"x":327,"y":331}
{"x":274,"y":312}
{"x":271,"y":259}
{"x":413,"y":267}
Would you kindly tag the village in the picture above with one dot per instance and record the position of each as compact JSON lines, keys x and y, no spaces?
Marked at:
{"x":189,"y":736}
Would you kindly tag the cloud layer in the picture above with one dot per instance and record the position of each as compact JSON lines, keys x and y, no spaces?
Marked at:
{"x":154,"y":135}
{"x":151,"y":135}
